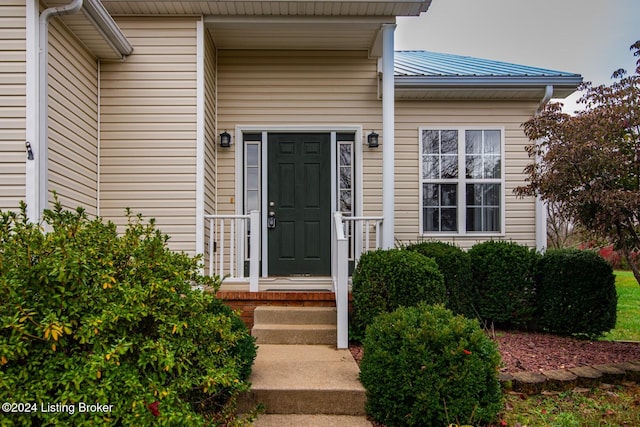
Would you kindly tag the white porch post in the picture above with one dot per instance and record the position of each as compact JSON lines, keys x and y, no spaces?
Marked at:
{"x":388,"y":131}
{"x":32,"y":181}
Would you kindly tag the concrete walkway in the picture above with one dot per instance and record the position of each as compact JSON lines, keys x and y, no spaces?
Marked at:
{"x":267,"y":420}
{"x":306,"y":385}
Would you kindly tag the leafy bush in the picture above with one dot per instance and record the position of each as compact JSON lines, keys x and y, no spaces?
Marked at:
{"x":387,"y":279}
{"x":576,"y":293}
{"x":504,"y":274}
{"x":422,"y":366}
{"x":455,"y":266}
{"x":88,"y":316}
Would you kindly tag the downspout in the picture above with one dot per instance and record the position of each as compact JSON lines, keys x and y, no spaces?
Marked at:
{"x":541,"y":208}
{"x":42,"y":168}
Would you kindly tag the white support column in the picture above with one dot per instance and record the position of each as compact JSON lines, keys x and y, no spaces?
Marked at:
{"x":32,"y":132}
{"x":388,"y":131}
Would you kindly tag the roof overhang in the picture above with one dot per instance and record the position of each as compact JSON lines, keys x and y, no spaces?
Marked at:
{"x":483,"y":87}
{"x":284,"y":24}
{"x":96,"y":29}
{"x":332,"y":8}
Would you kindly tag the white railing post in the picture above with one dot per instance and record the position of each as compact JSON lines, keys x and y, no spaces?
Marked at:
{"x":241,"y":230}
{"x":254,"y":256}
{"x":221,"y":248}
{"x":341,"y":273}
{"x":212,"y":229}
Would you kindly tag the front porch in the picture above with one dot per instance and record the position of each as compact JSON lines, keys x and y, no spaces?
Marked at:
{"x":234,"y":253}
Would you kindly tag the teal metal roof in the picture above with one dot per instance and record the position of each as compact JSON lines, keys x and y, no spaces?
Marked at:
{"x":433,"y":64}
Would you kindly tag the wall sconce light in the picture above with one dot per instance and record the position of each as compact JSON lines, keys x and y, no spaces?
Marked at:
{"x":225,"y":139}
{"x":372,"y":140}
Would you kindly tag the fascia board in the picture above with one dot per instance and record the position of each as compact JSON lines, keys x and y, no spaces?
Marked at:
{"x":466,"y":82}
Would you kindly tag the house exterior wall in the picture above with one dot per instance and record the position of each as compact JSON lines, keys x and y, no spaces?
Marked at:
{"x":298,"y":88}
{"x":211,"y":132}
{"x":410,"y":115}
{"x":148,"y":128}
{"x":338,"y":88}
{"x":12,"y":103}
{"x":73,"y":121}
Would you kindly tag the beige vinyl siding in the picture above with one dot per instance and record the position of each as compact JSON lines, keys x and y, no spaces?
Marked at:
{"x":12,"y":103}
{"x":210,"y":70}
{"x":298,"y":88}
{"x":520,"y":212}
{"x":148,"y":128}
{"x":73,"y":121}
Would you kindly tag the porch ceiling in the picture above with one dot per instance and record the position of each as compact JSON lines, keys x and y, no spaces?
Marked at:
{"x":308,"y":33}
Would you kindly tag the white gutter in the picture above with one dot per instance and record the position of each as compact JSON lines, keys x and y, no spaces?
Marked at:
{"x":41,"y":157}
{"x":541,"y":207}
{"x":388,"y":132}
{"x":104,"y":23}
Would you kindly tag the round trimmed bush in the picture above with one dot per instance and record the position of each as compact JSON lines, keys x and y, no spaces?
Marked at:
{"x":423,"y":366}
{"x":576,"y":293}
{"x":91,"y":315}
{"x":504,"y":276}
{"x":455,"y":266}
{"x":387,"y":279}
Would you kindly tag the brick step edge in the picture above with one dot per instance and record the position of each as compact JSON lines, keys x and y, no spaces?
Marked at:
{"x":570,"y":378}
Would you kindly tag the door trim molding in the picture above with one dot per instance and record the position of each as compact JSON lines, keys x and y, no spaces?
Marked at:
{"x":264,"y":130}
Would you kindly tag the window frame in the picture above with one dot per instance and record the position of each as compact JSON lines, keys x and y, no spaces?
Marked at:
{"x":461,"y":182}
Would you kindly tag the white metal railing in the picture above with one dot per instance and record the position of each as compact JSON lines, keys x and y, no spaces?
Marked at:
{"x":228,"y":239}
{"x":351,"y":236}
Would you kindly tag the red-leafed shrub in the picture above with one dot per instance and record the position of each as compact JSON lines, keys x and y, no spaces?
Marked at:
{"x":611,"y":256}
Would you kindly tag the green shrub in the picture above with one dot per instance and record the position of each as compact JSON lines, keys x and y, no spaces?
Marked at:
{"x":93,"y":317}
{"x":387,"y":279}
{"x":455,"y":266}
{"x":504,"y":275}
{"x":576,"y":293}
{"x":422,"y":366}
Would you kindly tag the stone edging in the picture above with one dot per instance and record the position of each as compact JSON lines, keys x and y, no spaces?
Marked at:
{"x":568,"y":379}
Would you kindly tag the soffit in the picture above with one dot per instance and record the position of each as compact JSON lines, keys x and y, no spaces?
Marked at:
{"x":83,"y":26}
{"x":269,"y":7}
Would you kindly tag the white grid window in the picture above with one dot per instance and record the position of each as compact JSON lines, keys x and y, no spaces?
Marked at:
{"x":462,"y":181}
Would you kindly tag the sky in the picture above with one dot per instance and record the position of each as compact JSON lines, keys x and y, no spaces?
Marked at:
{"x":588,"y":37}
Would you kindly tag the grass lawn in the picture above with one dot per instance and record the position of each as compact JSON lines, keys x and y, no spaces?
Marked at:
{"x":628,"y":323}
{"x":619,"y":406}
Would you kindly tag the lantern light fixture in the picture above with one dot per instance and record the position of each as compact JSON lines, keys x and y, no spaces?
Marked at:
{"x":225,"y":139}
{"x":372,"y":139}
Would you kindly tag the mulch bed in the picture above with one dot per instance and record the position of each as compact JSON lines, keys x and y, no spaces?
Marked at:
{"x":525,"y":351}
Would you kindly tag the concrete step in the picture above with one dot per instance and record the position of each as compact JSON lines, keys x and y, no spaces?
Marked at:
{"x":295,"y":334}
{"x":305,"y":379}
{"x":295,"y":315}
{"x":294,"y":325}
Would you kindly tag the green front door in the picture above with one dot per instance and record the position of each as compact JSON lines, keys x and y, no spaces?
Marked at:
{"x":299,"y":198}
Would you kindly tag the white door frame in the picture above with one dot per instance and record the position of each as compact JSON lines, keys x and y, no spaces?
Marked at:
{"x":264,"y":131}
